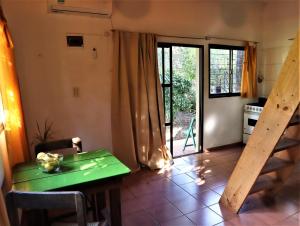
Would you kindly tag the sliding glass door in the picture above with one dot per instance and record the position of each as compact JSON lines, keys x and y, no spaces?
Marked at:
{"x":181,"y":76}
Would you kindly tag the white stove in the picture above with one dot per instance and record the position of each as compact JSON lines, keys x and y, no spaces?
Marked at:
{"x":251,"y":115}
{"x":253,"y":108}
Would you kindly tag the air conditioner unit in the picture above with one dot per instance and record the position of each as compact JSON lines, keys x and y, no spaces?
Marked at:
{"x":101,"y":8}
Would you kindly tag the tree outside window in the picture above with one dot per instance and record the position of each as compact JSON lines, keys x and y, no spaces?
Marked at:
{"x":225,"y":70}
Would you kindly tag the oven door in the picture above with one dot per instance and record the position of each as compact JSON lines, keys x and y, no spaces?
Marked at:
{"x":250,"y":120}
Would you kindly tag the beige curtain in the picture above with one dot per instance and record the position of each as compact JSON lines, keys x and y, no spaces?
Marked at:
{"x":138,"y":132}
{"x":248,"y":83}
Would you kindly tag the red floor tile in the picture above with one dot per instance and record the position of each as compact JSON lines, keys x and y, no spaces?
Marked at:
{"x":213,"y":182}
{"x":224,"y":223}
{"x":205,"y":217}
{"x":189,"y":191}
{"x":249,"y":219}
{"x":182,"y":179}
{"x":151,"y":200}
{"x":222,"y":211}
{"x":140,"y":218}
{"x":176,"y":194}
{"x":208,"y":197}
{"x":290,"y":221}
{"x":188,"y":205}
{"x":194,"y":188}
{"x":219,"y":189}
{"x":126,"y":195}
{"x":180,"y":221}
{"x":163,"y":213}
{"x":131,"y":206}
{"x":169,"y":172}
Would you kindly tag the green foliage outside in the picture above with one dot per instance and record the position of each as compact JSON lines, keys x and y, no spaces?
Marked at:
{"x":184,"y":79}
{"x":183,"y":95}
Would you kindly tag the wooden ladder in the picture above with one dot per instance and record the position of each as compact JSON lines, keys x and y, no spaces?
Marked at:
{"x":271,"y":152}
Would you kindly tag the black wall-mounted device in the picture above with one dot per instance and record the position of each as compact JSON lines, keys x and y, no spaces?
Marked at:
{"x":75,"y":41}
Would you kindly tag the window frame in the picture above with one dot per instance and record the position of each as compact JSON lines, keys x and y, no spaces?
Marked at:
{"x":226,"y":47}
{"x":200,"y":89}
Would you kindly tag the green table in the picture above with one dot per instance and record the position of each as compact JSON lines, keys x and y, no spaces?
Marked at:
{"x":92,"y":172}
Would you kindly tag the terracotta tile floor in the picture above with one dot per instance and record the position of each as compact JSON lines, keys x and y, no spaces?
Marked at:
{"x":188,"y":194}
{"x":178,"y":146}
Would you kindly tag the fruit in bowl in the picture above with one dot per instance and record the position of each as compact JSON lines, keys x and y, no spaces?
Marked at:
{"x":49,"y":162}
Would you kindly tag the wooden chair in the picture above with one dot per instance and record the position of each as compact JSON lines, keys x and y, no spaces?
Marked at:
{"x":46,"y":200}
{"x":59,"y":144}
{"x":77,"y":144}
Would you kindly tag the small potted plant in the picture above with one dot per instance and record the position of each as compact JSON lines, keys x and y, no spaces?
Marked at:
{"x":43,"y":134}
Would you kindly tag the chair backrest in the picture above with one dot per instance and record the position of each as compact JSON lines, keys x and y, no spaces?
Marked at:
{"x":193,"y":121}
{"x":59,"y":144}
{"x":45,"y":200}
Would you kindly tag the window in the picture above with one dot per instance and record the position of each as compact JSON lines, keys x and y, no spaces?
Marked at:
{"x":225,"y":70}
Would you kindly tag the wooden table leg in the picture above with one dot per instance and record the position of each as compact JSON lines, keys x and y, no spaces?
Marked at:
{"x":115,"y":207}
{"x":99,"y":204}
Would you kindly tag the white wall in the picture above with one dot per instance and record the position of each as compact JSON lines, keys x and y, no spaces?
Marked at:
{"x":280,"y":23}
{"x":48,"y":70}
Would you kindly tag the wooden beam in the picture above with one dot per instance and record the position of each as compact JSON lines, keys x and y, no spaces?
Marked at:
{"x":278,"y":110}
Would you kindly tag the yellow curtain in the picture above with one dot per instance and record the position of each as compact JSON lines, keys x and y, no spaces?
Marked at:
{"x":248,"y":83}
{"x":16,"y":150}
{"x":138,"y":131}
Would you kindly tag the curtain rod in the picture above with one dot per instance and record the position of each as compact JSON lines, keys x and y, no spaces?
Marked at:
{"x":206,"y":38}
{"x":202,"y":38}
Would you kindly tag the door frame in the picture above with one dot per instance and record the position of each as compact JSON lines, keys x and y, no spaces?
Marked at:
{"x":199,"y":143}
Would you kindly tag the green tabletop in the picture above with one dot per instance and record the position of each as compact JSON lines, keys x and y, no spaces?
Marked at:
{"x":76,"y":169}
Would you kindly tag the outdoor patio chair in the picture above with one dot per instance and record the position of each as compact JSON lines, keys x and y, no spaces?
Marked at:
{"x":190,"y":134}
